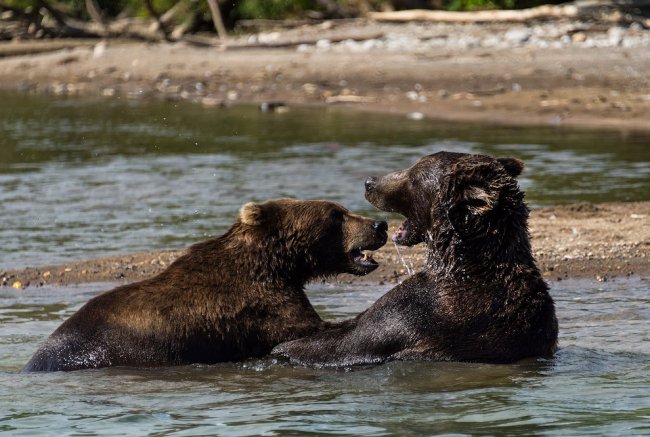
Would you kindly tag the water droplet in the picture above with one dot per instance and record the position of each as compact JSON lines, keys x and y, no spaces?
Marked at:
{"x":409,"y":267}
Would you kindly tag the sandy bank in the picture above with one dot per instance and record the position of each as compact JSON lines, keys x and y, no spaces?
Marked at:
{"x":565,"y":73}
{"x":599,"y":242}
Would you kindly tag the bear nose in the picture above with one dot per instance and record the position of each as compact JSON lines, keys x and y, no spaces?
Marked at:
{"x":380,"y":226}
{"x":370,"y":183}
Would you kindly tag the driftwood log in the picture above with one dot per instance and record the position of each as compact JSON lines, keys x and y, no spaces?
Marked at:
{"x":616,"y":11}
{"x":216,"y":19}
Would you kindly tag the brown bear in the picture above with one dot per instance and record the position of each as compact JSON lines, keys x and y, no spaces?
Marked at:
{"x":480,"y":297}
{"x":227,"y":299}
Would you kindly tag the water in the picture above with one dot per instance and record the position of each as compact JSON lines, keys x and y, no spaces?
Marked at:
{"x":598,"y":383}
{"x":86,"y":178}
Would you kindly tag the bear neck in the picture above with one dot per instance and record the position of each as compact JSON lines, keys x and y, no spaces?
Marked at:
{"x":503,"y":252}
{"x":247,"y":257}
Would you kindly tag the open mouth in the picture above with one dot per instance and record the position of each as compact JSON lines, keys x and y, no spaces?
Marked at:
{"x":363,"y":262}
{"x":402,"y":234}
{"x":407,"y":234}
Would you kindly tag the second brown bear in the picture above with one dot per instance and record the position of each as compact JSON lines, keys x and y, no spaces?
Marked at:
{"x":227,"y":299}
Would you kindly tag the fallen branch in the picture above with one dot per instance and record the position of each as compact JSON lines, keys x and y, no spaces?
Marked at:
{"x":159,"y":24}
{"x":31,"y":47}
{"x":168,"y":16}
{"x":260,"y":23}
{"x":217,"y":20}
{"x":605,"y":10}
{"x":349,"y":99}
{"x":55,"y":14}
{"x":94,"y":12}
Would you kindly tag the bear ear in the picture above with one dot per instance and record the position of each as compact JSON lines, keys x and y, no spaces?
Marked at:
{"x":251,"y":214}
{"x":467,"y":214}
{"x":472,"y":196}
{"x":513,"y":166}
{"x":477,"y":200}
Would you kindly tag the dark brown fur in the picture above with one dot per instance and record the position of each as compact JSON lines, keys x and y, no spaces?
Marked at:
{"x":228,"y":298}
{"x":480,"y":297}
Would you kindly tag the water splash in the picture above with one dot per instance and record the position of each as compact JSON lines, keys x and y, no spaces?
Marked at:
{"x":408,"y":266}
{"x":428,"y":252}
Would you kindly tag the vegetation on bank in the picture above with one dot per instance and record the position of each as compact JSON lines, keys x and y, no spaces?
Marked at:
{"x":43,"y":18}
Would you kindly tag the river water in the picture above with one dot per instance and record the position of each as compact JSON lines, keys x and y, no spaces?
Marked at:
{"x":84,"y":178}
{"x":597,"y":384}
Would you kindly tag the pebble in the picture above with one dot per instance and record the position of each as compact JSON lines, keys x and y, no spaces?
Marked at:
{"x":517,"y":35}
{"x":615,"y":35}
{"x":553,"y":34}
{"x":323,"y":44}
{"x":108,"y":92}
{"x":579,"y":37}
{"x":310,"y":88}
{"x":273,"y":107}
{"x":412,"y":95}
{"x":100,"y":49}
{"x":211,"y":102}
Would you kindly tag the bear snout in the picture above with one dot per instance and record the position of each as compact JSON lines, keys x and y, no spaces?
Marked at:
{"x":380,"y":225}
{"x":381,"y":234}
{"x":381,"y":228}
{"x":370,"y":183}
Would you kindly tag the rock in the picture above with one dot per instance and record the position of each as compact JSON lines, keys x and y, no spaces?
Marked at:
{"x":578,"y":37}
{"x":108,"y":92}
{"x":310,"y":88}
{"x":211,"y":102}
{"x":412,"y":95}
{"x":100,"y":49}
{"x":415,"y":116}
{"x":323,"y":44}
{"x":273,"y":107}
{"x":517,"y":35}
{"x":615,"y":35}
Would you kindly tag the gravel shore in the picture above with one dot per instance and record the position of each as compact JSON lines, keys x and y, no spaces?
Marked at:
{"x":550,"y":73}
{"x":591,"y":74}
{"x":599,"y":242}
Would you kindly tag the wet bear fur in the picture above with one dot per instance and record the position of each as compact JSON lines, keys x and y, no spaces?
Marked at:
{"x":480,"y":298}
{"x":227,"y":299}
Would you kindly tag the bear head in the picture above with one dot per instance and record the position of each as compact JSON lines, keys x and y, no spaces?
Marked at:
{"x":457,"y":193}
{"x":313,"y":238}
